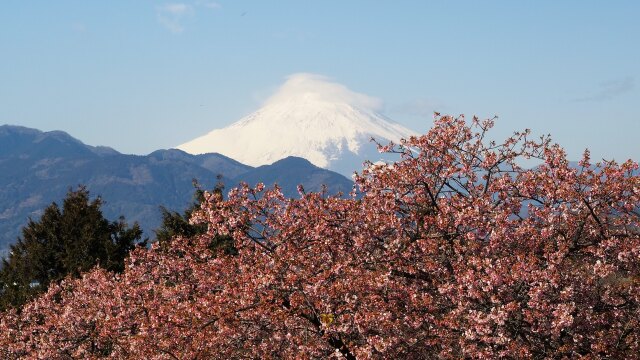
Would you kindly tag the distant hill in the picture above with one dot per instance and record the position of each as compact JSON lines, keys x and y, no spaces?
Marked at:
{"x":286,"y":170}
{"x":38,"y":167}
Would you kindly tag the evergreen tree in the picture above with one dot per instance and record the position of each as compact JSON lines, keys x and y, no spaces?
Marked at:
{"x":175,"y":224}
{"x":63,"y":242}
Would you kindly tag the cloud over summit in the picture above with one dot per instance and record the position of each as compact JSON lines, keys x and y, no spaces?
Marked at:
{"x":321,"y":88}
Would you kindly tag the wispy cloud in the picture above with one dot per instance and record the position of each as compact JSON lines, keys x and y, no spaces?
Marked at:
{"x":172,"y":16}
{"x":610,"y":89}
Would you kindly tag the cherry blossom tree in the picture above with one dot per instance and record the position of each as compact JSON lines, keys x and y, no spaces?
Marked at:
{"x":454,"y":251}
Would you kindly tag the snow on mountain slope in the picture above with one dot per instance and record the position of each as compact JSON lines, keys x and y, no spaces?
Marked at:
{"x":310,"y":117}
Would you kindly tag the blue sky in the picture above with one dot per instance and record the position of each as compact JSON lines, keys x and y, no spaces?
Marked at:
{"x":140,"y":75}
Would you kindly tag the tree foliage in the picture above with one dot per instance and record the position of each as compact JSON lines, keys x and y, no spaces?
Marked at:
{"x":175,"y":224}
{"x":455,"y":251}
{"x":67,"y":241}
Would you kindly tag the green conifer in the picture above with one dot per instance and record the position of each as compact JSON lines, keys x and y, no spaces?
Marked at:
{"x":63,"y":242}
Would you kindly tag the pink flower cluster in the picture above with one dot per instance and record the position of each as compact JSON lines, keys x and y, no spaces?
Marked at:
{"x":455,"y":251}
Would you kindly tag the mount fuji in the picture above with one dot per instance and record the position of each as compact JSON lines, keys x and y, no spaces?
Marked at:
{"x":310,"y":117}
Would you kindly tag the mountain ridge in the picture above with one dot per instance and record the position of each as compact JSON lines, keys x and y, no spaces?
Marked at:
{"x":37,"y":168}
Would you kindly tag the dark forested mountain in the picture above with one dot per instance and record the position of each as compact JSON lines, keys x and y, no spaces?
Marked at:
{"x":38,"y":167}
{"x":292,"y":171}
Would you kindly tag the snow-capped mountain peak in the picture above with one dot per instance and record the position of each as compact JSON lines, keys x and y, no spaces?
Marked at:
{"x":310,"y":117}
